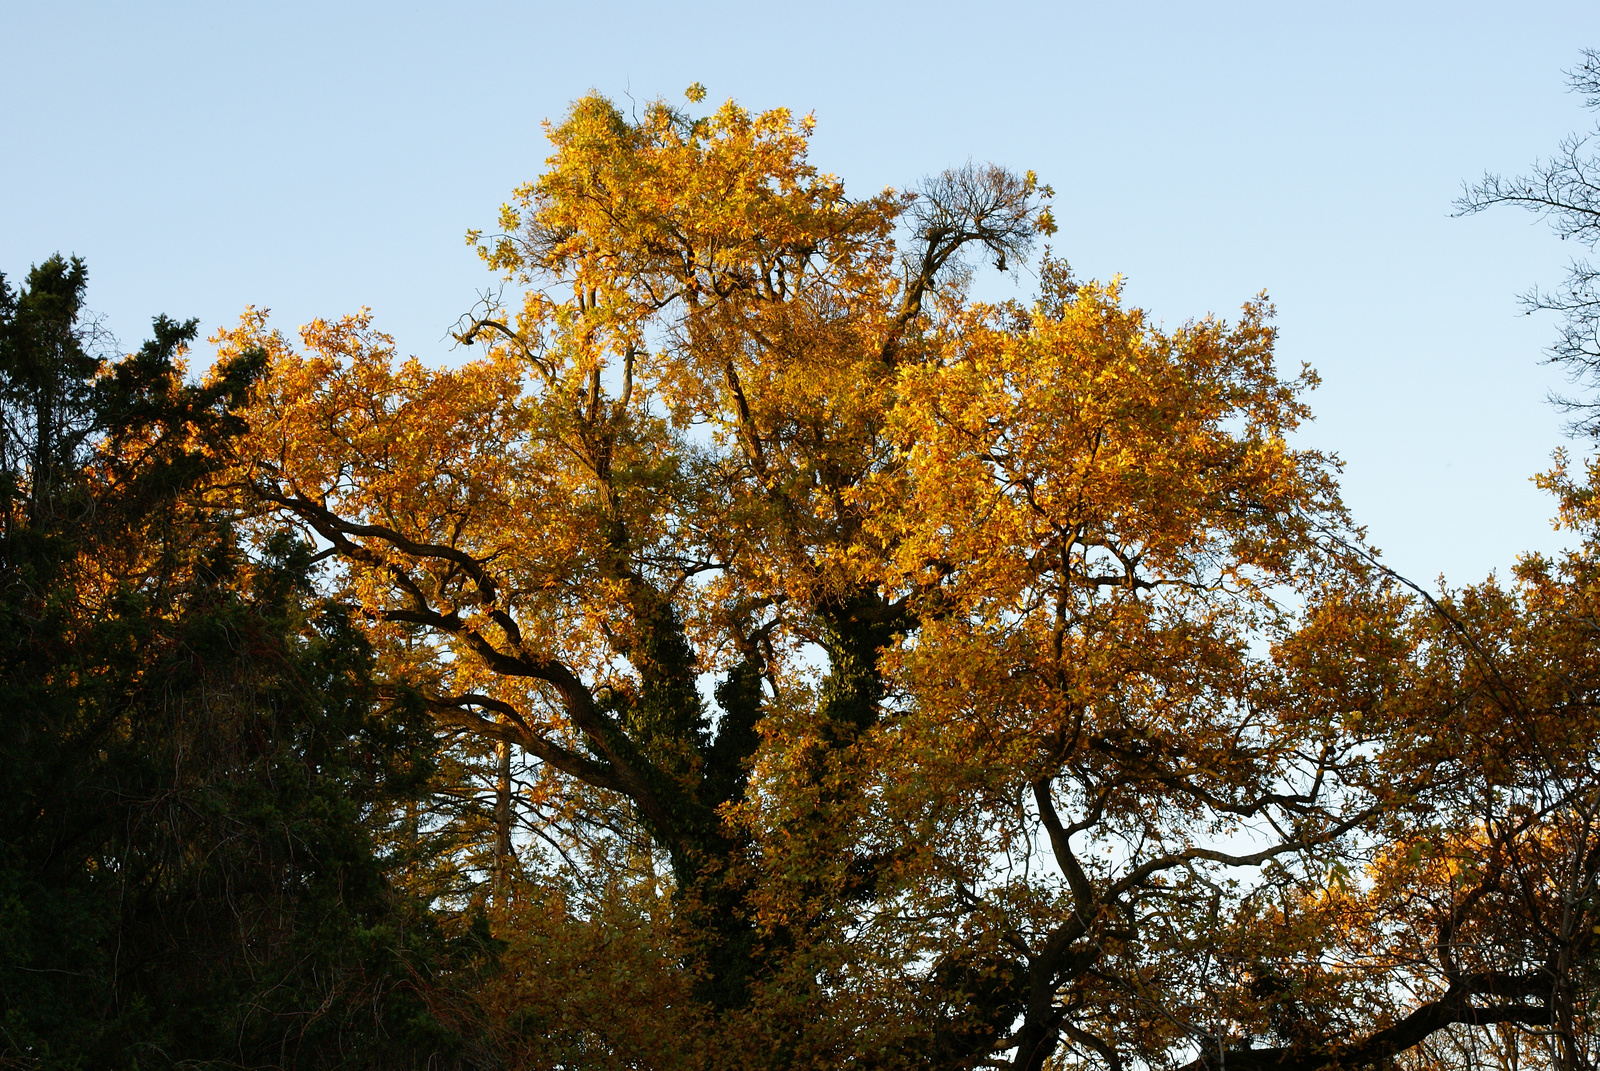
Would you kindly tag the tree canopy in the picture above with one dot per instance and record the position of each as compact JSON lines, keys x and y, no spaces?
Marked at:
{"x":761,"y":653}
{"x":907,"y":680}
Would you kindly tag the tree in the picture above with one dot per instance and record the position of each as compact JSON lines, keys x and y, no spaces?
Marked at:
{"x":1565,"y":190}
{"x":900,"y":680}
{"x":196,"y":774}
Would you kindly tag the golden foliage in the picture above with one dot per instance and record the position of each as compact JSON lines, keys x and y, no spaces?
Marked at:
{"x":916,"y":681}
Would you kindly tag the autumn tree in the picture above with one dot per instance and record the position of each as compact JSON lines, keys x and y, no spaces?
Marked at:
{"x":896,"y":679}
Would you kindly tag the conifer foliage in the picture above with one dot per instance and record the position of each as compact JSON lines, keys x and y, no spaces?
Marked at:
{"x":196,"y":771}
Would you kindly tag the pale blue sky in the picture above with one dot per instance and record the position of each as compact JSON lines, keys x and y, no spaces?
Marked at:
{"x":314,"y":158}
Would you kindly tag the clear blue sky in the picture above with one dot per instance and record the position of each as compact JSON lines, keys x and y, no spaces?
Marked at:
{"x":314,"y":158}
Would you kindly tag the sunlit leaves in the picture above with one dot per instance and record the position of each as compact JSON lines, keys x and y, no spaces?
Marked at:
{"x":942,"y":678}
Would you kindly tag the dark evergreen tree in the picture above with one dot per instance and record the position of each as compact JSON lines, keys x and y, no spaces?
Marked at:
{"x":200,"y":780}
